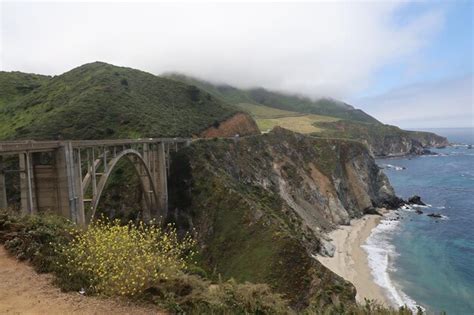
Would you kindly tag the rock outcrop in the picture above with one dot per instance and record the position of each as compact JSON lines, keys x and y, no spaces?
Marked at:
{"x":407,"y":143}
{"x":261,"y":205}
{"x":381,"y":139}
{"x":416,"y":200}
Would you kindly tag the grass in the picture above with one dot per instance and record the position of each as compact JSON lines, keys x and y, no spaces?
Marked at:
{"x":14,"y":85}
{"x":303,"y":124}
{"x":268,"y":117}
{"x":99,"y":100}
{"x":265,"y":112}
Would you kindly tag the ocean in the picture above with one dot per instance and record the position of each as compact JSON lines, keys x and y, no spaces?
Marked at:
{"x":427,"y":261}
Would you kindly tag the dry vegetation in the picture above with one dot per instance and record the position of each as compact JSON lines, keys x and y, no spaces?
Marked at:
{"x":302,"y":124}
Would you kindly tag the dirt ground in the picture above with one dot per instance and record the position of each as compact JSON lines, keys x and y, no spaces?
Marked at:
{"x":23,"y":291}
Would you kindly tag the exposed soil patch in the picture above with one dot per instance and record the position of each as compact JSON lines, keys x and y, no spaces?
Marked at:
{"x":241,"y":124}
{"x":23,"y":291}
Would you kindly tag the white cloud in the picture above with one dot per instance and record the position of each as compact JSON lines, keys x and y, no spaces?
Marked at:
{"x":325,"y":48}
{"x":446,"y":103}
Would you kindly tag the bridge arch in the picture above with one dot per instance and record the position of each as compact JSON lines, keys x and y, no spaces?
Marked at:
{"x":140,"y":165}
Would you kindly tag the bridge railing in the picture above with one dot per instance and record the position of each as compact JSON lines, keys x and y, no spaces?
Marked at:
{"x":14,"y":147}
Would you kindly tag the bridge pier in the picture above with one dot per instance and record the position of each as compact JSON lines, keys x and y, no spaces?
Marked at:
{"x":160,"y":177}
{"x":27,"y":184}
{"x":3,"y":186}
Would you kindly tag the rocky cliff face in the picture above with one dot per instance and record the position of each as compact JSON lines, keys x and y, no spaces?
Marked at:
{"x":261,"y":205}
{"x":416,"y":143}
{"x":383,"y":140}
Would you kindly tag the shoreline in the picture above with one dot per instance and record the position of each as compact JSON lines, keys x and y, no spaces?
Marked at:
{"x":350,"y":260}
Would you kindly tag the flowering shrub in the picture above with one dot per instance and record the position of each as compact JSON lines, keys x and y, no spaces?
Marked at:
{"x":126,"y":260}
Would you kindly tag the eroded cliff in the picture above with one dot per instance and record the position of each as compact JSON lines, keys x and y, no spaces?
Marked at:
{"x":239,"y":124}
{"x":261,"y":204}
{"x":383,"y":140}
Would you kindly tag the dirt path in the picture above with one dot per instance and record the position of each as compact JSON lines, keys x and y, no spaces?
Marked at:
{"x":23,"y":291}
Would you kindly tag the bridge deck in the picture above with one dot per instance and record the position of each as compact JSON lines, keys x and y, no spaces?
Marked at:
{"x":14,"y":147}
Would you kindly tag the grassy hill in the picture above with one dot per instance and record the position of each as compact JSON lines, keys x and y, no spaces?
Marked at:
{"x":14,"y":85}
{"x":282,"y":101}
{"x":99,"y":100}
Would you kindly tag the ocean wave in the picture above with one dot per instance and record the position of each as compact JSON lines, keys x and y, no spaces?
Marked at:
{"x":393,"y":167}
{"x":422,"y":206}
{"x":380,"y":254}
{"x":435,"y":155}
{"x":413,"y":207}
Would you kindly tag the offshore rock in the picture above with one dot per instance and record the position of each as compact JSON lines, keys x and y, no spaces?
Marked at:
{"x":416,"y":200}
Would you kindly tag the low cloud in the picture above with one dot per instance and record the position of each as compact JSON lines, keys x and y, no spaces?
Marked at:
{"x":316,"y":49}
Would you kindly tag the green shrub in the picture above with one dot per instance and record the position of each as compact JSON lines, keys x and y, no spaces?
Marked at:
{"x":127,"y":259}
{"x":34,"y":238}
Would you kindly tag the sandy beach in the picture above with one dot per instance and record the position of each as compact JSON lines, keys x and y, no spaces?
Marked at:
{"x":350,"y":259}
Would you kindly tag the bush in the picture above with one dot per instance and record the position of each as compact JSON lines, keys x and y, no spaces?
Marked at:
{"x":34,"y":238}
{"x":190,"y":294}
{"x":126,"y":260}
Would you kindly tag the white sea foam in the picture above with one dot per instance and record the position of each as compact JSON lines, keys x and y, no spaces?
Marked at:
{"x":395,"y":167}
{"x":381,"y":253}
{"x":423,"y":206}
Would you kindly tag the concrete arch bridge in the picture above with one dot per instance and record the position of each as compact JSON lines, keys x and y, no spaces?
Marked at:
{"x":69,"y":177}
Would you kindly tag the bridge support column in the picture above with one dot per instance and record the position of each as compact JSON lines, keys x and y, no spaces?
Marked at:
{"x":3,"y":187}
{"x":148,"y":201}
{"x":70,"y":196}
{"x":160,"y":177}
{"x":27,"y":184}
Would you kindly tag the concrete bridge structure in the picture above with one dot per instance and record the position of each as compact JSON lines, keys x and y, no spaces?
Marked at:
{"x":69,"y":177}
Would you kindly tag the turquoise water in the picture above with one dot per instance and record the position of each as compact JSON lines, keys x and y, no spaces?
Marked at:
{"x":430,"y":262}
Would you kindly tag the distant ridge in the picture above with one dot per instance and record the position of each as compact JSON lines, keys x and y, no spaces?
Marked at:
{"x":323,"y":106}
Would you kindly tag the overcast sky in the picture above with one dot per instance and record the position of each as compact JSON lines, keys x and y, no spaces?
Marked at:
{"x":406,"y":63}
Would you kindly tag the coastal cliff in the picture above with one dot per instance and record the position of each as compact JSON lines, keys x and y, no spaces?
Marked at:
{"x":381,"y":139}
{"x":261,"y":206}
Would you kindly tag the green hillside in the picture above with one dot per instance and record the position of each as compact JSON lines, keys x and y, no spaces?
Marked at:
{"x":322,"y":118}
{"x":14,"y":85}
{"x":99,"y":100}
{"x":282,"y":101}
